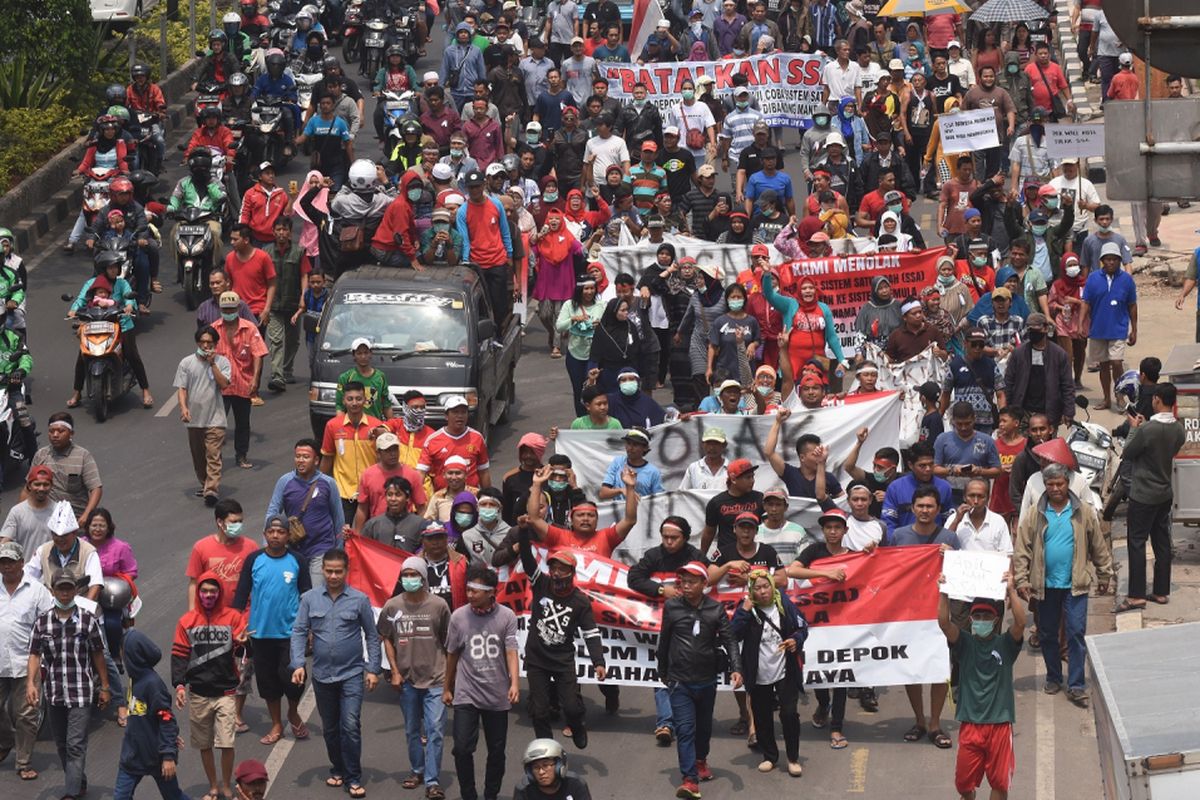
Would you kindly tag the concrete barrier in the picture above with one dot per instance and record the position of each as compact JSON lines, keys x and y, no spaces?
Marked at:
{"x":47,"y":197}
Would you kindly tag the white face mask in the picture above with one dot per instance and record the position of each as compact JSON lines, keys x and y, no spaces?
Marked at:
{"x":1073,"y":271}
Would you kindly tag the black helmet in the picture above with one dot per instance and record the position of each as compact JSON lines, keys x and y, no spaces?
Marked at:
{"x":217,"y":35}
{"x":200,"y":158}
{"x":139,"y":69}
{"x":114,"y":95}
{"x":330,"y":62}
{"x":106,"y":258}
{"x":395,"y":50}
{"x":411,"y":126}
{"x":210,"y":112}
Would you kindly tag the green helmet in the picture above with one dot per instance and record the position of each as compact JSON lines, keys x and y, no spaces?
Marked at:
{"x":120,"y":112}
{"x":5,"y":233}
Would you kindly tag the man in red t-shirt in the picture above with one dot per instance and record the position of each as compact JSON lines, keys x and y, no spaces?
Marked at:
{"x":455,"y":438}
{"x":1046,"y":79}
{"x":372,"y":498}
{"x":955,"y":197}
{"x":875,"y":203}
{"x":483,"y":226}
{"x":251,"y":272}
{"x":222,"y":553}
{"x":582,"y":535}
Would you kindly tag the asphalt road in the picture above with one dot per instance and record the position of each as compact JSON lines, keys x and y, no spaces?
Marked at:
{"x":148,"y":481}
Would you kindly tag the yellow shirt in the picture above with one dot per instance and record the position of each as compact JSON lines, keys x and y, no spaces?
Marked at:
{"x":352,"y":448}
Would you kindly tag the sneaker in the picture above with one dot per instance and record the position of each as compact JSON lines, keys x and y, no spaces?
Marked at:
{"x":663,"y":735}
{"x":702,"y":770}
{"x":1078,"y":696}
{"x":277,"y":385}
{"x":579,"y":736}
{"x":688,"y":790}
{"x":1051,"y":688}
{"x":766,"y":766}
{"x":794,"y":769}
{"x":1155,"y":241}
{"x":1139,"y":250}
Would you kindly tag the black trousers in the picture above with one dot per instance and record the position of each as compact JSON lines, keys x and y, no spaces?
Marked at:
{"x":541,"y":696}
{"x":241,"y":421}
{"x":837,"y":711}
{"x":762,"y":700}
{"x":495,"y":280}
{"x":1153,"y":523}
{"x":467,"y":721}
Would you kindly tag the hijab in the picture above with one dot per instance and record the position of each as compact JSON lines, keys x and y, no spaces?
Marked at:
{"x":713,"y":292}
{"x":555,"y":246}
{"x":814,"y":306}
{"x":616,"y":342}
{"x":847,"y":121}
{"x":746,"y":236}
{"x":453,"y":531}
{"x":804,"y":231}
{"x":1067,"y":286}
{"x":775,"y":600}
{"x":320,"y":201}
{"x":878,"y":317}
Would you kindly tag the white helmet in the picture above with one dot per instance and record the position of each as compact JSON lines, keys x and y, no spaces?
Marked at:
{"x":545,"y":748}
{"x":362,"y":174}
{"x":304,"y":14}
{"x":311,"y":9}
{"x":231,"y":19}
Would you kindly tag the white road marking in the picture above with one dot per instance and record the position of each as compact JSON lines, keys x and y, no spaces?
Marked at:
{"x":1044,"y":774}
{"x":283,"y":747}
{"x":168,"y":406}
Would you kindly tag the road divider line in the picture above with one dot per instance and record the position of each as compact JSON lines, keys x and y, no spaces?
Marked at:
{"x":858,"y":771}
{"x":168,"y":406}
{"x":283,"y":747}
{"x":1044,"y":772}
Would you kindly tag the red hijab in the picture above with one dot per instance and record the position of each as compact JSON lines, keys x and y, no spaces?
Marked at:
{"x":555,"y":246}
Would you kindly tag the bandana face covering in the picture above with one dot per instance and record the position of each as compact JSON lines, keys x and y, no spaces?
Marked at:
{"x":414,"y":418}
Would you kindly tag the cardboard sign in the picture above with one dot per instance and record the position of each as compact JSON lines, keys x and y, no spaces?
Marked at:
{"x":974,"y":573}
{"x":1066,"y":140}
{"x":966,"y":131}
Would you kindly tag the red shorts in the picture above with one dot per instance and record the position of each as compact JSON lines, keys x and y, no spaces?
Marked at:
{"x":984,"y":749}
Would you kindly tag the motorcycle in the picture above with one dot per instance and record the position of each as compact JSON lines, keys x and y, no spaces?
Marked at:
{"x":17,"y":442}
{"x":405,"y":34}
{"x":208,"y":93}
{"x":1092,"y":446}
{"x":305,"y":81}
{"x":396,"y":106}
{"x":352,"y":33}
{"x":95,"y":192}
{"x":268,"y":118}
{"x":374,"y":43}
{"x":107,"y":374}
{"x":194,"y":249}
{"x":147,"y":150}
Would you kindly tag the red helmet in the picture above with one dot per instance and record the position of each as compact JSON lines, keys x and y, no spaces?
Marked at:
{"x":121,"y":185}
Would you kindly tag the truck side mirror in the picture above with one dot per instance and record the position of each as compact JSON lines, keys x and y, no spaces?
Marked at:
{"x":486,"y":330}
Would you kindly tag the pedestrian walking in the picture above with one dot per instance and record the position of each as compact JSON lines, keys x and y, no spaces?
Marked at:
{"x":23,"y":600}
{"x":150,"y":746}
{"x":200,"y":379}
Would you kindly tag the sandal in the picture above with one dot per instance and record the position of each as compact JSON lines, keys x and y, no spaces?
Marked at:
{"x":300,"y":731}
{"x":434,"y":792}
{"x":156,"y":287}
{"x":838,"y":742}
{"x":940,"y":739}
{"x":915,"y":734}
{"x":413,"y":780}
{"x":1128,"y":605}
{"x":271,"y":738}
{"x":1161,"y":599}
{"x":356,"y":790}
{"x":27,"y":774}
{"x":820,"y":718}
{"x":334,"y":781}
{"x":72,"y":404}
{"x":211,"y":795}
{"x":556,"y":353}
{"x":740,"y":728}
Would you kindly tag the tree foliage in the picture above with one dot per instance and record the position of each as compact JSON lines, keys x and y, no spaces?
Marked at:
{"x":55,"y":37}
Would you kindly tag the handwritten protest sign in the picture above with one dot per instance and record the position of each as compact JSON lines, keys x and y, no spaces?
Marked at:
{"x":974,"y":573}
{"x":969,"y":130}
{"x":1064,"y":141}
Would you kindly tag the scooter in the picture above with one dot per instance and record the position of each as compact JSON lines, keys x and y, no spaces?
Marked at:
{"x":17,"y":442}
{"x":1091,"y":444}
{"x":194,"y":249}
{"x":268,"y":117}
{"x":352,"y":32}
{"x":305,"y":81}
{"x":374,"y":42}
{"x":147,"y":151}
{"x":209,"y":93}
{"x":107,"y":373}
{"x":396,"y":106}
{"x":95,"y":192}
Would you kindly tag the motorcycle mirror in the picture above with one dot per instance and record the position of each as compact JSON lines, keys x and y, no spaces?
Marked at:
{"x":1081,"y":401}
{"x":66,"y":298}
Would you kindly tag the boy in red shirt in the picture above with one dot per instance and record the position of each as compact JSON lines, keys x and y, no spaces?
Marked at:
{"x":1124,"y":85}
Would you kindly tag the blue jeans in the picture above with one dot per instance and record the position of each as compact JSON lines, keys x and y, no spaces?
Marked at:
{"x":662,"y":709}
{"x":126,"y":785}
{"x":340,"y":707}
{"x":1052,"y":608}
{"x":692,"y":707}
{"x":427,"y":705}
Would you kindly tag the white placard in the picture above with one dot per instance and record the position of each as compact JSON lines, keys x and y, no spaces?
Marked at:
{"x":1065,"y":140}
{"x":969,"y":130}
{"x":974,"y":573}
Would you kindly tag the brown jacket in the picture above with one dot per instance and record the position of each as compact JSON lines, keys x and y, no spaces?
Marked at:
{"x":1029,"y":559}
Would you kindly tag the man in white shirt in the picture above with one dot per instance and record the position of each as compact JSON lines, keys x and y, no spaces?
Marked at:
{"x":603,"y":151}
{"x":959,"y":66}
{"x":708,"y":474}
{"x":863,"y":531}
{"x":841,"y":76}
{"x":977,"y":526}
{"x":22,"y":600}
{"x":869,"y":72}
{"x":1087,"y":199}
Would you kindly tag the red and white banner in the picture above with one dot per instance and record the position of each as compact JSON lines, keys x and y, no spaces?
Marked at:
{"x":876,"y":628}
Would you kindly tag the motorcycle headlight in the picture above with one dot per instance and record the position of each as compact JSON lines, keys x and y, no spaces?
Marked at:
{"x":97,"y":348}
{"x":1105,"y":441}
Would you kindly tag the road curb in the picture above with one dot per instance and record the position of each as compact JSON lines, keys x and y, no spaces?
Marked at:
{"x":46,"y":198}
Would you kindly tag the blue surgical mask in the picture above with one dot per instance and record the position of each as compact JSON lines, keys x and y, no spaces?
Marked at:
{"x":742,"y":104}
{"x":233,"y":529}
{"x":414,"y":194}
{"x":764,"y":390}
{"x":879,"y":477}
{"x":489,"y":514}
{"x":557,"y":486}
{"x":456,"y":152}
{"x":1039,"y":230}
{"x":736,"y":305}
{"x":412,"y":584}
{"x":64,"y":606}
{"x":201,"y":352}
{"x":464,"y":520}
{"x":1052,"y":202}
{"x":897,"y":208}
{"x":629,"y":388}
{"x":533,"y":138}
{"x":229,"y":316}
{"x":688,"y":94}
{"x":550,"y":197}
{"x":946,"y":280}
{"x":979,"y":261}
{"x":982,"y":629}
{"x":1104,"y":228}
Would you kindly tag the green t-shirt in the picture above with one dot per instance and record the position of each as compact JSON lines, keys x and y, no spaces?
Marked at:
{"x":1034,"y":285}
{"x":378,"y":393}
{"x":585,"y":423}
{"x":985,"y":675}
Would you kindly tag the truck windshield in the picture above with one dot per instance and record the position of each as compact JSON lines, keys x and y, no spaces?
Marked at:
{"x":398,"y":321}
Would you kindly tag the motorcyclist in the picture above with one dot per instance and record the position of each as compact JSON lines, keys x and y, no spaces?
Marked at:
{"x":212,"y":133}
{"x":240,"y":43}
{"x":109,"y":151}
{"x":137,"y":231}
{"x":306,"y":22}
{"x":394,"y":76}
{"x":239,"y":117}
{"x":254,"y":24}
{"x":15,"y":365}
{"x":118,"y":236}
{"x":362,"y":201}
{"x":276,"y":83}
{"x":407,"y":150}
{"x":219,"y":65}
{"x":331,"y":71}
{"x":198,"y":190}
{"x":145,"y":97}
{"x":108,"y":265}
{"x":311,"y":56}
{"x":13,"y":280}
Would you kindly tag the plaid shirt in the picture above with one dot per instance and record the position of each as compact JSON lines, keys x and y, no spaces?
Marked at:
{"x":66,"y":647}
{"x":1002,"y":334}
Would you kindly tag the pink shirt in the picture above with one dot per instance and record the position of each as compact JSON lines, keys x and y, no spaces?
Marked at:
{"x":116,"y":556}
{"x":372,"y":495}
{"x":939,"y":30}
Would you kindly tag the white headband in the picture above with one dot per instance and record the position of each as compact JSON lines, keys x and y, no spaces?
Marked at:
{"x":911,"y":305}
{"x":63,"y":423}
{"x":480,"y":587}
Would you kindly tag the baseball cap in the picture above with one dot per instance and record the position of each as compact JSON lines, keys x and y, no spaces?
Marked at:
{"x":696,"y":12}
{"x":706,"y":170}
{"x":442,"y":172}
{"x":361,"y":341}
{"x":893,"y":196}
{"x":533,"y":126}
{"x":249,"y":771}
{"x":455,"y":401}
{"x":1047,"y":189}
{"x":832,"y":514}
{"x":1001,"y":293}
{"x":746,"y":516}
{"x":929,"y":390}
{"x":729,"y":383}
{"x":1037,"y":215}
{"x":664,"y":23}
{"x":495,"y":168}
{"x":650,"y":145}
{"x":577,"y":39}
{"x":1070,"y":160}
{"x":709,"y":435}
{"x":433,"y":530}
{"x":276,"y":521}
{"x":832,"y":139}
{"x":739,"y":467}
{"x":1111,"y":249}
{"x":62,"y":577}
{"x":979,"y":334}
{"x":440,"y":215}
{"x":693,"y":568}
{"x":954,"y":43}
{"x":474,"y":178}
{"x":229,"y":300}
{"x":991,"y":606}
{"x":386,"y":440}
{"x":14,"y":552}
{"x":895,"y":64}
{"x":672,"y":130}
{"x":564,"y":557}
{"x":1125,"y":58}
{"x":39,"y":472}
{"x":741,"y":90}
{"x":760,"y":250}
{"x":777,"y":493}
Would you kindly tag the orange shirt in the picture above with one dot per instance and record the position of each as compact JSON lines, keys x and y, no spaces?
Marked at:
{"x":242,"y":349}
{"x":602,"y":542}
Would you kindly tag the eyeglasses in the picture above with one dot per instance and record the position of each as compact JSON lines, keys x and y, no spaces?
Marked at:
{"x":975,"y":344}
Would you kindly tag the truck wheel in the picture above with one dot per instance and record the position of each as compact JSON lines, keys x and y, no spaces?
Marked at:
{"x":510,"y":397}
